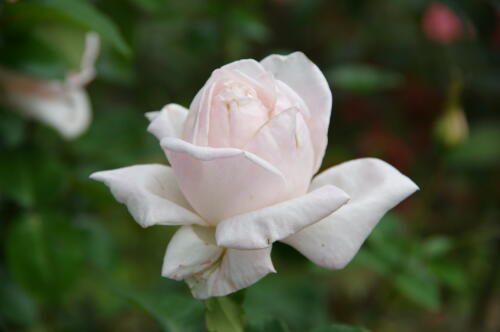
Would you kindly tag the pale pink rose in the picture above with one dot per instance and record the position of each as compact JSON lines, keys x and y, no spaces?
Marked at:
{"x":242,"y":159}
{"x":62,"y":105}
{"x":441,"y":24}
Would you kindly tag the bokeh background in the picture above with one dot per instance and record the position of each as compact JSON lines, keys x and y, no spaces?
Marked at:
{"x":415,"y":82}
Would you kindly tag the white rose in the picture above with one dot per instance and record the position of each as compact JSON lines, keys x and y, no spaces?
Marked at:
{"x":242,"y":159}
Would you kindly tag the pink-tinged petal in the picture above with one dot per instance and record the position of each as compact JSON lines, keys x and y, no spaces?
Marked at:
{"x":374,"y":187}
{"x":227,"y":95}
{"x":152,"y":115}
{"x":305,"y":78}
{"x":67,"y":111}
{"x":150,"y":193}
{"x":249,"y":67}
{"x":223,"y":182}
{"x":236,"y":269}
{"x":63,"y":106}
{"x":169,"y":122}
{"x":209,"y":270}
{"x":285,"y":142}
{"x":191,"y":250}
{"x":259,"y":229}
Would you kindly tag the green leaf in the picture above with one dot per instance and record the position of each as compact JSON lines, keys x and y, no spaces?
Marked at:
{"x":16,"y":307}
{"x":267,"y":325}
{"x":12,"y":128}
{"x":149,"y":5}
{"x":26,"y":53}
{"x":359,"y":78}
{"x":450,"y":273}
{"x":77,"y":12}
{"x":436,"y":246}
{"x":340,"y":328}
{"x":290,"y":294}
{"x":174,"y":312}
{"x":44,"y":255}
{"x":34,"y":178}
{"x":386,"y":242}
{"x":479,"y":150}
{"x":420,"y":288}
{"x":223,"y":315}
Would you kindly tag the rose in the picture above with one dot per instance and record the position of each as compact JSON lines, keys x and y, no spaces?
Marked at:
{"x":61,"y":105}
{"x":242,"y":161}
{"x":441,"y":24}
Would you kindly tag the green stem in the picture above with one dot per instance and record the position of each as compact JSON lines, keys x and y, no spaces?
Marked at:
{"x":224,"y":314}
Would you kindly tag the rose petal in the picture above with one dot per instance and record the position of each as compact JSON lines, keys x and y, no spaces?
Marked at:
{"x":249,"y":67}
{"x":169,"y":122}
{"x":67,"y":111}
{"x":285,"y":143}
{"x":374,"y":187}
{"x":236,"y":270}
{"x":150,"y":193}
{"x":210,"y":270}
{"x":87,"y":66}
{"x":191,"y":250}
{"x":259,"y":229}
{"x":303,"y":76}
{"x":223,"y":182}
{"x":199,"y":126}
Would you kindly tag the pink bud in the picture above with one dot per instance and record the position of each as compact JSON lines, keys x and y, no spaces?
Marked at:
{"x":441,"y":24}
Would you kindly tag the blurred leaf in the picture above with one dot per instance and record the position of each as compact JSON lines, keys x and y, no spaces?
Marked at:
{"x":340,"y":328}
{"x":386,"y":242}
{"x":363,"y":78}
{"x":28,"y":54}
{"x":34,"y":178}
{"x":68,"y":42}
{"x":174,"y":312}
{"x":12,"y":128}
{"x":480,"y":150}
{"x":44,"y":255}
{"x":284,"y":297}
{"x":267,"y":325}
{"x":78,"y":12}
{"x":149,"y":5}
{"x":419,"y":288}
{"x":436,"y":246}
{"x":450,"y":273}
{"x":16,"y":307}
{"x":223,"y":315}
{"x":371,"y":259}
{"x":98,"y":243}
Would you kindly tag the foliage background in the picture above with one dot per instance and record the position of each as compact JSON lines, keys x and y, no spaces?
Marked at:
{"x":72,"y":258}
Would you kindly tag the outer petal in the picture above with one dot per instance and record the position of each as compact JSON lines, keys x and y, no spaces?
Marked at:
{"x":169,"y":122}
{"x":67,"y":111}
{"x":150,"y":193}
{"x":303,"y":76}
{"x":259,"y":229}
{"x":210,"y":270}
{"x":374,"y":187}
{"x":237,"y":269}
{"x":249,"y":67}
{"x":191,"y":250}
{"x":87,"y":65}
{"x":285,"y":142}
{"x":224,"y":182}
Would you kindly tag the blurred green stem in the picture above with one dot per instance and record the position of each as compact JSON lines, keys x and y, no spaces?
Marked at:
{"x":223,"y":314}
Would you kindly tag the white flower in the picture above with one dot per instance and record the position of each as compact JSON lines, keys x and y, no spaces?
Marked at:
{"x":242,"y":159}
{"x":62,"y":105}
